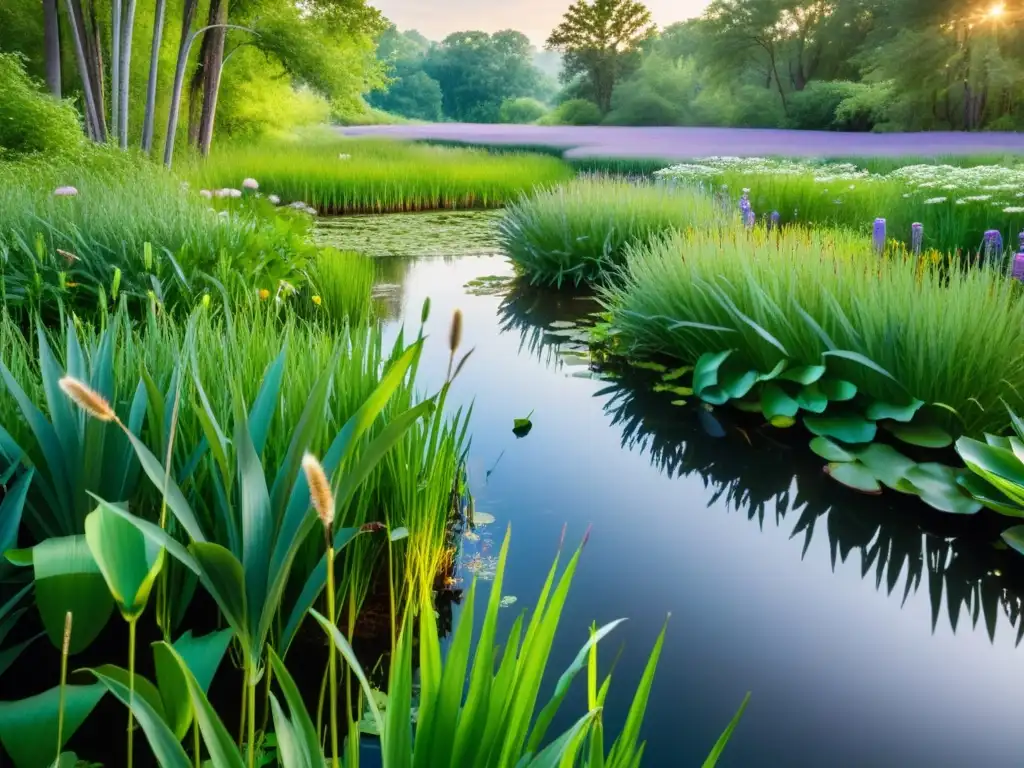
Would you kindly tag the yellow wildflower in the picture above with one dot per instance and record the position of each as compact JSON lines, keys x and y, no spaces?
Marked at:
{"x":317,"y":300}
{"x":264,"y":294}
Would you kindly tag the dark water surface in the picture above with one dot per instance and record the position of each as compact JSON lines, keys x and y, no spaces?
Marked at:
{"x":735,"y":537}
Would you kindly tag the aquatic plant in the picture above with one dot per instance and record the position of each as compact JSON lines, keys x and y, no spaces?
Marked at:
{"x":578,"y":233}
{"x":341,"y":284}
{"x":805,"y":296}
{"x":378,"y":176}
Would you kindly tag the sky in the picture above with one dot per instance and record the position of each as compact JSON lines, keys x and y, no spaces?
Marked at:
{"x":535,"y":18}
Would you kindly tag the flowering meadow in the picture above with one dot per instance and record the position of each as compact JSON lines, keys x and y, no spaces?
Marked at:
{"x":955,"y":205}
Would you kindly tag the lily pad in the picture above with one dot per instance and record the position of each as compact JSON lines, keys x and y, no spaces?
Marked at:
{"x":482,"y":518}
{"x":737,"y":384}
{"x":782,"y":422}
{"x":903,"y":413}
{"x":923,"y":435}
{"x":678,"y":402}
{"x":560,"y":324}
{"x":811,"y":398}
{"x":714,"y":395}
{"x":854,"y":475}
{"x":937,"y":486}
{"x":830,"y":451}
{"x":508,"y":600}
{"x":837,"y":390}
{"x":848,"y":429}
{"x":705,"y":372}
{"x":888,"y":465}
{"x":522,"y":427}
{"x":649,"y":366}
{"x":804,"y":374}
{"x":681,"y":391}
{"x":775,"y":402}
{"x":775,"y":372}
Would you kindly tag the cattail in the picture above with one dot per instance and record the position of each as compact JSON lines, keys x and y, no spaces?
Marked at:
{"x":319,"y":490}
{"x":87,"y":399}
{"x":455,"y":333}
{"x":69,"y":257}
{"x":66,"y":645}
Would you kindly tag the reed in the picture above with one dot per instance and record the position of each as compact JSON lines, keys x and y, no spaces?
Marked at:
{"x":579,"y":232}
{"x":340,"y":176}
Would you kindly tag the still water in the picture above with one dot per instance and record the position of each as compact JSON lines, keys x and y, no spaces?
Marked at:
{"x":835,"y":610}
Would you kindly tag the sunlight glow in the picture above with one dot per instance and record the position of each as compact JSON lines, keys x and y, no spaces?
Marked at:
{"x":996,"y":11}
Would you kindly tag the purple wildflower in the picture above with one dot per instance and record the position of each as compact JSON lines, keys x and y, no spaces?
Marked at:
{"x":916,"y":237}
{"x":775,"y":219}
{"x":879,"y":235}
{"x":749,"y":218}
{"x":992,"y":245}
{"x":1021,"y":238}
{"x":1018,"y":266}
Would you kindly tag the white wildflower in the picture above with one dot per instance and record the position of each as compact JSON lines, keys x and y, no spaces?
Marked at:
{"x":1013,"y":209}
{"x":234,"y":192}
{"x":65,"y":192}
{"x":274,"y":199}
{"x":935,"y":200}
{"x":250,"y":184}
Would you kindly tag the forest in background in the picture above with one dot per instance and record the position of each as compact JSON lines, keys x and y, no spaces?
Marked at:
{"x":856,"y":65}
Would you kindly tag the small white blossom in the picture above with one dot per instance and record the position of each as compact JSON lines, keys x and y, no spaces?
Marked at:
{"x":205,"y":193}
{"x":65,"y":192}
{"x":1013,"y":209}
{"x":935,"y":200}
{"x":274,"y":199}
{"x":250,"y":184}
{"x":234,"y":192}
{"x":343,"y":156}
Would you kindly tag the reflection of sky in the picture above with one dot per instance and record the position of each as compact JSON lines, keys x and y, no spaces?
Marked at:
{"x":841,"y":674}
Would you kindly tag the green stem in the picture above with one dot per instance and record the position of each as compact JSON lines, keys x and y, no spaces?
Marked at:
{"x":251,"y":684}
{"x":391,"y":593}
{"x":332,"y":661}
{"x":195,"y":743}
{"x":60,"y":711}
{"x":241,"y":721}
{"x":131,"y":688}
{"x":320,"y":702}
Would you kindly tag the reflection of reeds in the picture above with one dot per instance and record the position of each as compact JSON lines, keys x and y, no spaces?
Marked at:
{"x":898,"y":545}
{"x":530,"y":310}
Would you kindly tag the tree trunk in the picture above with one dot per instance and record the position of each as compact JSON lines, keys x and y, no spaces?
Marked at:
{"x":187,"y":17}
{"x":94,"y":55}
{"x":205,"y":83}
{"x":127,"y":27}
{"x":51,"y":42}
{"x":115,"y":66}
{"x":154,"y":66}
{"x":92,"y":121}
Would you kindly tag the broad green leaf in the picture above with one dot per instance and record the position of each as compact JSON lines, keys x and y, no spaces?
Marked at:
{"x":28,"y":727}
{"x":257,"y":524}
{"x":775,"y":372}
{"x":736,"y":384}
{"x":144,"y":689}
{"x":705,"y":372}
{"x":829,"y":451}
{"x":11,"y":508}
{"x":989,"y":496}
{"x":714,"y":395}
{"x":265,"y":404}
{"x":848,"y":429}
{"x":837,"y":390}
{"x":923,"y":435}
{"x":626,"y":743}
{"x":997,"y":465}
{"x":782,"y":422}
{"x":220,"y":570}
{"x":68,"y":579}
{"x":812,"y":399}
{"x":297,"y":709}
{"x":723,"y":740}
{"x":1015,"y":537}
{"x":937,"y":486}
{"x":775,"y":402}
{"x":128,"y":560}
{"x":563,"y":751}
{"x":887,"y":464}
{"x":202,"y":656}
{"x":854,"y":475}
{"x":804,"y":374}
{"x":903,"y":413}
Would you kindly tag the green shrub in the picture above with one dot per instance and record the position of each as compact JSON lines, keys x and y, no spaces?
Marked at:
{"x":577,"y":233}
{"x":376,"y":175}
{"x":574,"y":112}
{"x":814,"y":108}
{"x":945,"y":336}
{"x":521,"y":110}
{"x":31,"y":120}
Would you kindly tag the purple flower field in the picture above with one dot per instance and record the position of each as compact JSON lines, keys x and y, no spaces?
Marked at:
{"x":680,"y":143}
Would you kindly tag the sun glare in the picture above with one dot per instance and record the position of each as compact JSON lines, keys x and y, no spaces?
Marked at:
{"x":996,"y":11}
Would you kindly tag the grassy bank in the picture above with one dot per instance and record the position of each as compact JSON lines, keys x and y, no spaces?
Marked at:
{"x":338,"y":176}
{"x":578,"y":233}
{"x":956,"y":204}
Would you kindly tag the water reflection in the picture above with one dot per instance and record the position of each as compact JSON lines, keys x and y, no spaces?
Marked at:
{"x":767,"y":474}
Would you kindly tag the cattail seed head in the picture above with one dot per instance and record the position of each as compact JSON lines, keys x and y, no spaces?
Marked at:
{"x":455,"y":333}
{"x":66,"y":645}
{"x":319,"y":489}
{"x":87,"y":399}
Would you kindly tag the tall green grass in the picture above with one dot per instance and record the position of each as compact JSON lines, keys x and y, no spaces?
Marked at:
{"x":578,"y":232}
{"x":945,"y":336}
{"x":342,"y":282}
{"x":339,"y":176}
{"x":132,"y":229}
{"x":956,"y":203}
